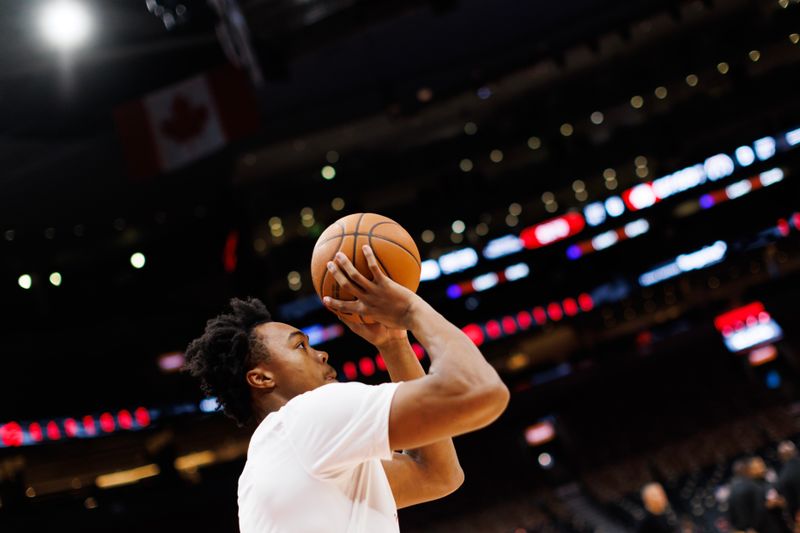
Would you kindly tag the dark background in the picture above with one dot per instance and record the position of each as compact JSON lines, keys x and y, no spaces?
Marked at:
{"x":394,"y":89}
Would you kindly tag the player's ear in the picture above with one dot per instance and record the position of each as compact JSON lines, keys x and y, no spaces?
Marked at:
{"x":261,"y":378}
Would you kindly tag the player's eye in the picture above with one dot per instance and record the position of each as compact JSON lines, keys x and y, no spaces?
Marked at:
{"x":301,"y":343}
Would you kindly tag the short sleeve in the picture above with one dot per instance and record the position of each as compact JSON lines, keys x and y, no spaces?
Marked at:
{"x":340,"y":425}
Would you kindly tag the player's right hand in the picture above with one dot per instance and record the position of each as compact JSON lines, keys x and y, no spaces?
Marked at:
{"x":383,"y":299}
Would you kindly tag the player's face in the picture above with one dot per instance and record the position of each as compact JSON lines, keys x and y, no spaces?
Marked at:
{"x":297,"y":367}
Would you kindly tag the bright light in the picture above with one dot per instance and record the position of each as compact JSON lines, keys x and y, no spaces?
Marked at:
{"x":745,"y":156}
{"x":430,"y":270}
{"x":540,"y":433}
{"x":458,"y":226}
{"x":137,"y":260}
{"x":702,"y":258}
{"x":545,"y":460}
{"x":753,"y":336}
{"x":55,"y":278}
{"x":615,"y":206}
{"x":501,"y":246}
{"x":605,"y":240}
{"x":670,"y":270}
{"x":209,"y":405}
{"x":328,"y":172}
{"x":793,"y":137}
{"x":636,"y":228}
{"x":552,"y":230}
{"x":765,"y":148}
{"x":25,"y":281}
{"x":518,"y":271}
{"x":485,"y":282}
{"x":740,"y":188}
{"x":718,"y":166}
{"x":594,"y":213}
{"x":458,"y":260}
{"x":65,"y":23}
{"x":171,"y":362}
{"x":771,"y":176}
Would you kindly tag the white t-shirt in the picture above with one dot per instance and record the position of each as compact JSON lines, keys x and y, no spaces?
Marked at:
{"x":314,"y":466}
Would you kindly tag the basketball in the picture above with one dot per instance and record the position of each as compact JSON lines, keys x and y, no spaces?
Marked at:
{"x":394,"y":249}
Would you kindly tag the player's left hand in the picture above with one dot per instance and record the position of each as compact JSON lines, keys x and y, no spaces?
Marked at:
{"x":376,"y":334}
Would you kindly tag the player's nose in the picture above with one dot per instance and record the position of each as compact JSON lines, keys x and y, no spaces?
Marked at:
{"x":323,"y":356}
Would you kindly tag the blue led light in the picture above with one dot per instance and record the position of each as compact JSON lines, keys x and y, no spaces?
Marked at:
{"x":706,"y":201}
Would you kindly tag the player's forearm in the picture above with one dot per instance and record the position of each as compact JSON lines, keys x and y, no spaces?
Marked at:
{"x":401,"y":361}
{"x":453,"y":355}
{"x":439,"y":459}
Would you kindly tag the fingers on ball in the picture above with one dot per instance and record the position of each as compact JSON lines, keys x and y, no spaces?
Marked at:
{"x":372,"y":262}
{"x":350,"y":269}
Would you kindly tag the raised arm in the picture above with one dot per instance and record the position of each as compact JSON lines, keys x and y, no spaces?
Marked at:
{"x":461,"y":393}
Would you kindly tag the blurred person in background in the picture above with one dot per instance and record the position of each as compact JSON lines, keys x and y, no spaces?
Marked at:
{"x":656,"y":504}
{"x":770,"y":505}
{"x":789,"y":479}
{"x":743,"y":501}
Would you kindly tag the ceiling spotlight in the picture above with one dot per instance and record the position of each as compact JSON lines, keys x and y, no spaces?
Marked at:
{"x":25,"y":281}
{"x":137,"y":260}
{"x":66,"y":24}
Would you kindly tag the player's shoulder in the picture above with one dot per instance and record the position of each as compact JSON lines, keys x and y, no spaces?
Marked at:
{"x":331,"y":390}
{"x":332,"y":395}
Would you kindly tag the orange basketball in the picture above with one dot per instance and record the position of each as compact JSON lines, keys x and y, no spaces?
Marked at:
{"x":394,"y":249}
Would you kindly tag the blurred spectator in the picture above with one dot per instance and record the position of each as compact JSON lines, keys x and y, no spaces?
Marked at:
{"x":770,"y":516}
{"x":656,"y":504}
{"x":743,"y":502}
{"x":789,"y":480}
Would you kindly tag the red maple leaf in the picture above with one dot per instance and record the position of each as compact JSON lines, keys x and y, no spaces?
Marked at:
{"x":186,"y":121}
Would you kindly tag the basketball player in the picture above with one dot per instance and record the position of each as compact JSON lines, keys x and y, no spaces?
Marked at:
{"x":320,"y":459}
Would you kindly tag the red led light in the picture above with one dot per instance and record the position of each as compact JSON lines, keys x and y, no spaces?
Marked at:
{"x":474,"y":332}
{"x":552,"y":230}
{"x":35,"y":431}
{"x":554,"y":312}
{"x":70,"y":427}
{"x":11,"y":434}
{"x":349,"y":369}
{"x":493,"y":329}
{"x":783,"y":227}
{"x":736,"y":318}
{"x":585,"y":302}
{"x":229,"y":258}
{"x":796,"y":221}
{"x":524,"y":319}
{"x":509,"y":326}
{"x":639,"y":197}
{"x":53,"y":433}
{"x":366,"y":366}
{"x":419,"y":351}
{"x":125,"y":419}
{"x":380,"y":362}
{"x":539,"y":315}
{"x":570,"y":307}
{"x":107,"y":422}
{"x":89,"y":426}
{"x":142,"y":416}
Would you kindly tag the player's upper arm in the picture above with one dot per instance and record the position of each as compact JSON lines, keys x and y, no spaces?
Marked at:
{"x":429,"y":409}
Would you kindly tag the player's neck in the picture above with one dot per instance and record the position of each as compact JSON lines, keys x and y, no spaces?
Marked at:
{"x":266,"y":404}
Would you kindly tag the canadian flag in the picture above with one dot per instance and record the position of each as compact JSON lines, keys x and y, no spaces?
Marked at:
{"x":179,"y":124}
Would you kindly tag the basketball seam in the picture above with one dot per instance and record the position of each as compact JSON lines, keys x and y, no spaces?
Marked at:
{"x":325,"y":275}
{"x":377,"y":257}
{"x":355,"y":246}
{"x":356,"y":235}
